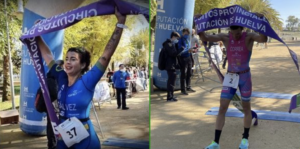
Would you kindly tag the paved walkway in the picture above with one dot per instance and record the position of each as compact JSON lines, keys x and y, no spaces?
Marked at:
{"x":126,"y":124}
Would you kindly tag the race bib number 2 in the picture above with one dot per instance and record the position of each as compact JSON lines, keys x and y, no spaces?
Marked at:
{"x":231,"y":80}
{"x":72,"y":131}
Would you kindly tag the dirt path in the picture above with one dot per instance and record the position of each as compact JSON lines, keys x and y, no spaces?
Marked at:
{"x":183,"y":124}
{"x":115,"y":123}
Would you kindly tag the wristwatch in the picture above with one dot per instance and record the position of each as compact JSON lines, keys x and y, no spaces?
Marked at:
{"x":121,"y":25}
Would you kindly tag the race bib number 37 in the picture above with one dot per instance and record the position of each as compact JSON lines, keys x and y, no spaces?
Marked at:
{"x":72,"y":131}
{"x":231,"y":80}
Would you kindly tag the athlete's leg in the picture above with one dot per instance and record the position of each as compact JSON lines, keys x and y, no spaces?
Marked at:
{"x":224,"y":103}
{"x":246,"y":90}
{"x":226,"y":95}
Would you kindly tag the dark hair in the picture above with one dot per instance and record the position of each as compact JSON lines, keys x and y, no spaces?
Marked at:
{"x":175,"y":34}
{"x":84,"y":55}
{"x":186,"y":30}
{"x":60,"y":62}
{"x":236,"y":27}
{"x":121,"y":65}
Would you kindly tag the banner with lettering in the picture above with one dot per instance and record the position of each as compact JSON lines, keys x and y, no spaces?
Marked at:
{"x":64,"y":20}
{"x":236,"y":15}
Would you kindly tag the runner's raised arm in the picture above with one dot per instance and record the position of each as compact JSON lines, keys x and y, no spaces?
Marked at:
{"x":113,"y":41}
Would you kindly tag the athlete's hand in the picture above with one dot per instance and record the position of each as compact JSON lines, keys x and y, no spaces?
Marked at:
{"x":37,"y":21}
{"x":197,"y":16}
{"x":121,"y":18}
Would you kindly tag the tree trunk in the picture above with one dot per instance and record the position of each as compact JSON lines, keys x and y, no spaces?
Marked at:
{"x":112,"y":66}
{"x":152,"y":25}
{"x":6,"y":83}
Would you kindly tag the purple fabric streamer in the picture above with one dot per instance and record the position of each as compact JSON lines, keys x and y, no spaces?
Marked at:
{"x":236,"y":15}
{"x":62,"y":21}
{"x":35,"y":55}
{"x":295,"y":102}
{"x":71,"y":17}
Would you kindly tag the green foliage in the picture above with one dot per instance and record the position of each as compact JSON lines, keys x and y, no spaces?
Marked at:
{"x":153,"y":9}
{"x":263,"y":7}
{"x":15,"y":26}
{"x":293,"y":22}
{"x":140,"y":48}
{"x":14,"y":34}
{"x":94,"y":33}
{"x":202,"y":6}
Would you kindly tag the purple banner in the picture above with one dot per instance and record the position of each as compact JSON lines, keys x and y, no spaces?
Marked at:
{"x":36,"y":58}
{"x":295,"y":102}
{"x":236,"y":15}
{"x":71,"y":17}
{"x":64,"y":20}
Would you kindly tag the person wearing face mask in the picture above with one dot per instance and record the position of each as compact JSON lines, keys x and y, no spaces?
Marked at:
{"x":170,"y":46}
{"x":186,"y":62}
{"x":119,"y":79}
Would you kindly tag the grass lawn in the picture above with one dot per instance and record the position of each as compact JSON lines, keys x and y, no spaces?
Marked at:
{"x":8,"y":104}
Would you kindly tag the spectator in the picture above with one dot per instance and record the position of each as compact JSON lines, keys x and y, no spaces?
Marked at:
{"x":185,"y":62}
{"x":171,"y":63}
{"x":109,"y":77}
{"x":119,"y":79}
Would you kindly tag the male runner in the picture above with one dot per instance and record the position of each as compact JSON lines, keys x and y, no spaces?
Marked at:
{"x":239,"y":49}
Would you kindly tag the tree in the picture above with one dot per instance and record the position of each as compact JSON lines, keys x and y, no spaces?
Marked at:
{"x":153,"y":15}
{"x":94,"y":33}
{"x":263,"y":7}
{"x":140,"y":46}
{"x":203,"y":6}
{"x":14,"y":33}
{"x":292,"y":22}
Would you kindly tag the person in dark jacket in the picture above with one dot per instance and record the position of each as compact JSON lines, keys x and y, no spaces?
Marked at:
{"x":171,"y":63}
{"x":186,"y":62}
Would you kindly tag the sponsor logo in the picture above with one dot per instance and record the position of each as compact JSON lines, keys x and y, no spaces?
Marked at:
{"x":25,"y":103}
{"x":160,"y":6}
{"x":236,"y":48}
{"x":26,"y":89}
{"x":74,"y":93}
{"x":58,"y":68}
{"x":158,"y":74}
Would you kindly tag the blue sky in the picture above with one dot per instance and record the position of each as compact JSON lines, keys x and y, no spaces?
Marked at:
{"x":286,"y":8}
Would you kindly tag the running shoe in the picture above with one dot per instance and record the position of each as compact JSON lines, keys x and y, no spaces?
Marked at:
{"x":213,"y":145}
{"x":244,"y":144}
